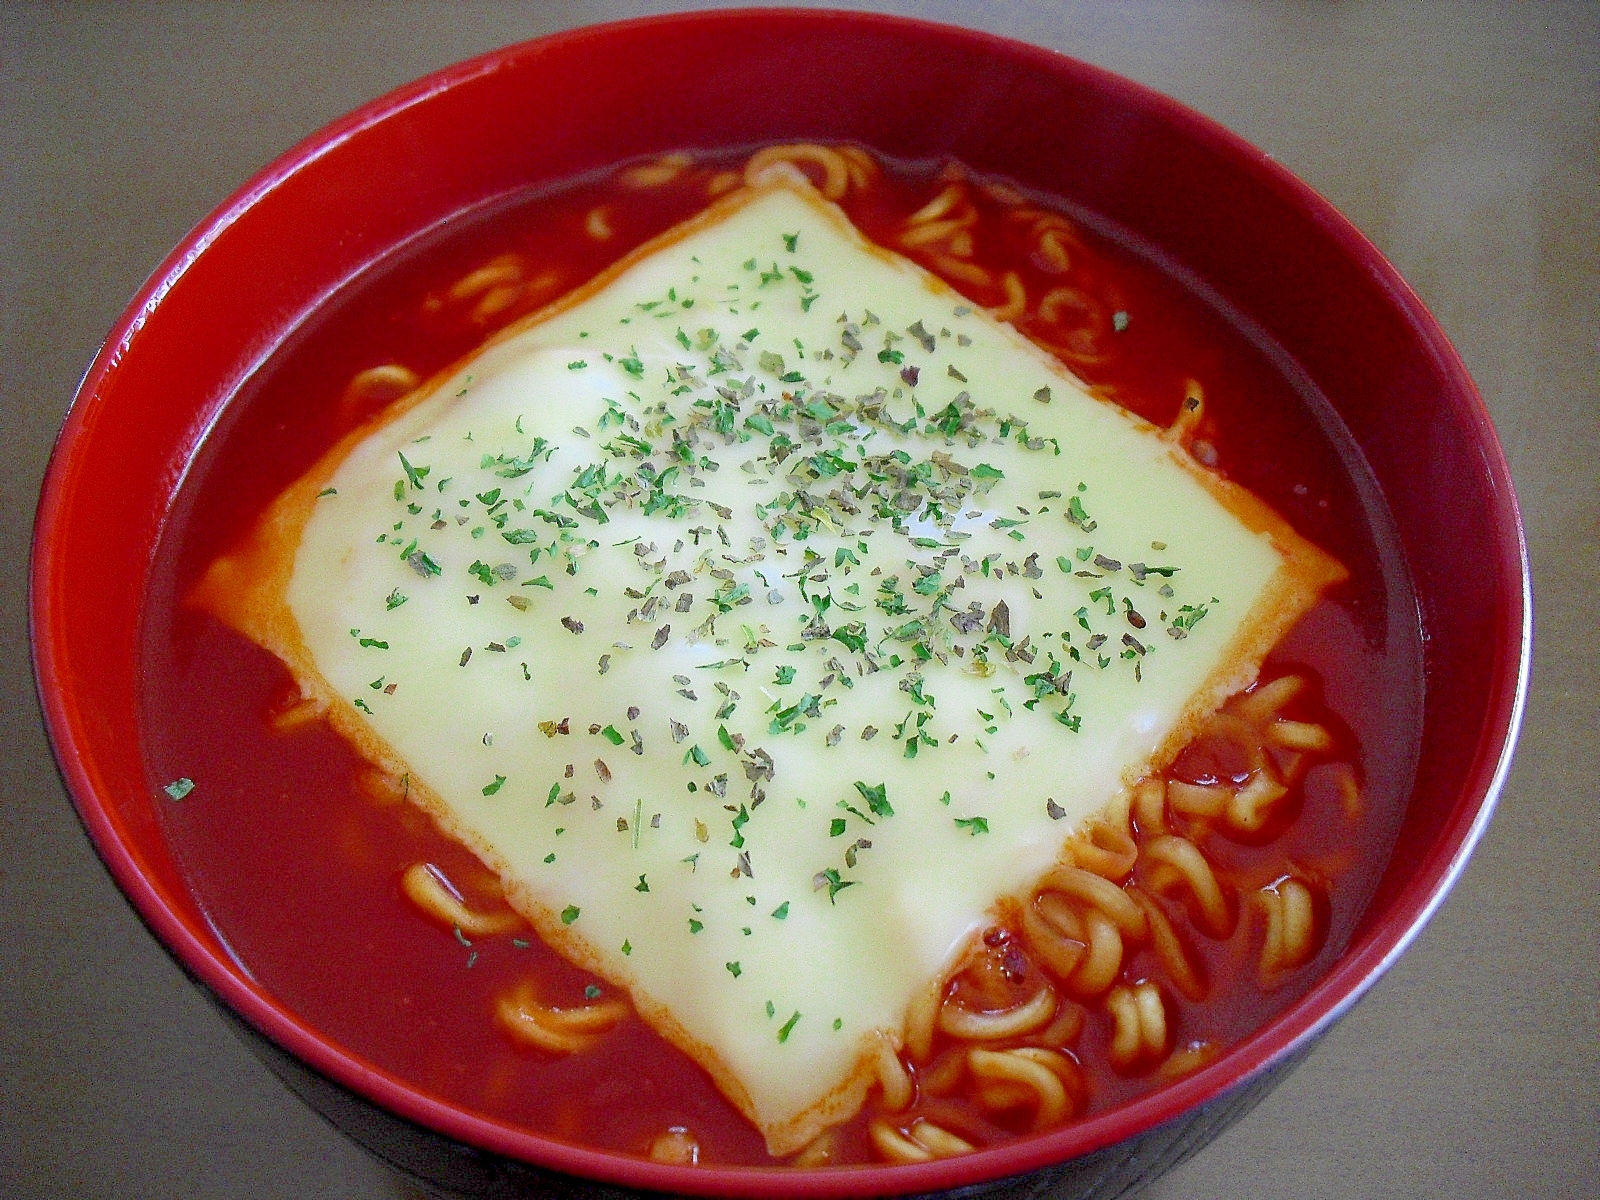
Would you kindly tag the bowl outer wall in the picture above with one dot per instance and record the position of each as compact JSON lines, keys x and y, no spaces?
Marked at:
{"x":1266,"y":244}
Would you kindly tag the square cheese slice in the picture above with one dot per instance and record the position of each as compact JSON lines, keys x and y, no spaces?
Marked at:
{"x":765,"y":615}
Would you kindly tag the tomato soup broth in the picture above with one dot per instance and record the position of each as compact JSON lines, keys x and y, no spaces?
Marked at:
{"x":296,"y":853}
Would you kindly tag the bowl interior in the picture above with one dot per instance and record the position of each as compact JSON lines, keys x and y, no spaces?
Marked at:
{"x":1267,"y":248}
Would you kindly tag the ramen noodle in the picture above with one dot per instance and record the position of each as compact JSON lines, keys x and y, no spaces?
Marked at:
{"x":814,"y":660}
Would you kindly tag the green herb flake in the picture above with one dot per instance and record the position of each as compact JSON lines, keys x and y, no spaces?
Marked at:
{"x":788,"y":1027}
{"x":490,"y":789}
{"x":876,"y":798}
{"x":414,"y":474}
{"x":179,"y":788}
{"x":831,"y":880}
{"x":569,"y":914}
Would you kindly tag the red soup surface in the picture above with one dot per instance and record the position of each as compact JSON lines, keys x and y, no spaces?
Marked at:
{"x":297,"y":865}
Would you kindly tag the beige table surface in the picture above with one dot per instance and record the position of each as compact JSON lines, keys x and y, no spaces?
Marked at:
{"x":1463,"y":138}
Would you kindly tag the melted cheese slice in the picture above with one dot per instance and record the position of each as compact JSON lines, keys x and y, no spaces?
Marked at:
{"x":765,"y":616}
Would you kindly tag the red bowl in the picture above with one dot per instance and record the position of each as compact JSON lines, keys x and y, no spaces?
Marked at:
{"x":1267,"y":247}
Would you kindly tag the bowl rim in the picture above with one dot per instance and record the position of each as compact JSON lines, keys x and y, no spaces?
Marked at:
{"x":1359,"y":966}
